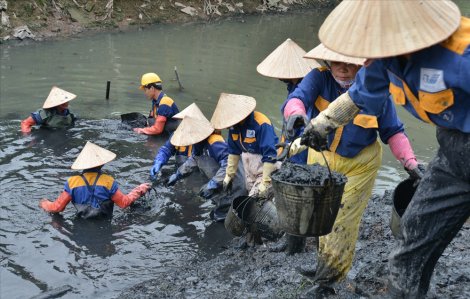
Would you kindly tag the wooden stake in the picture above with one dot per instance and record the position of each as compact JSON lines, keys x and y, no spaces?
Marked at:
{"x":178,"y":78}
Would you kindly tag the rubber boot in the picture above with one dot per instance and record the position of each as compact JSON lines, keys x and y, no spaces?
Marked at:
{"x":280,"y":246}
{"x":308,"y":270}
{"x":295,"y":244}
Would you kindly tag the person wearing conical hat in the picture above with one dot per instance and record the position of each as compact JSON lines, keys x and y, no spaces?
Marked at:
{"x":163,"y":107}
{"x":353,"y":150}
{"x":92,"y":192}
{"x":167,"y":150}
{"x":209,"y":155}
{"x":251,"y":134}
{"x":287,"y":63}
{"x":419,"y":53}
{"x":55,"y":113}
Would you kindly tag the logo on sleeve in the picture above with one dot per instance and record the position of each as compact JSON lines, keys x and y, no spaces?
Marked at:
{"x":250,"y":133}
{"x":432,"y":80}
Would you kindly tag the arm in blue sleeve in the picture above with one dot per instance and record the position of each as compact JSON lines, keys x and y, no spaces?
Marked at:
{"x":218,"y":151}
{"x":307,"y":90}
{"x":233,"y":148}
{"x":389,"y":123}
{"x":464,"y":72}
{"x":370,"y":92}
{"x":267,"y":139}
{"x":164,"y":154}
{"x":37,"y":118}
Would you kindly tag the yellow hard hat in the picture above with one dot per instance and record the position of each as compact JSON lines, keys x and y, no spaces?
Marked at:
{"x":149,"y":78}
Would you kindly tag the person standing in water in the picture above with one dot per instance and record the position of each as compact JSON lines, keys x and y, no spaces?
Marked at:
{"x":92,"y":192}
{"x":163,"y":107}
{"x":55,"y":113}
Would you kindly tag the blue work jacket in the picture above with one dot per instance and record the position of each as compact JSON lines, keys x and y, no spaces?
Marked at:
{"x":255,"y":136}
{"x":104,"y":189}
{"x":434,"y":85}
{"x":164,"y":106}
{"x":167,"y":150}
{"x":318,"y":89}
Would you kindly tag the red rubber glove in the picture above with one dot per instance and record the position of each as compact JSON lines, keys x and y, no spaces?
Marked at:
{"x":58,"y":205}
{"x":123,"y":201}
{"x":26,"y":124}
{"x":156,"y":129}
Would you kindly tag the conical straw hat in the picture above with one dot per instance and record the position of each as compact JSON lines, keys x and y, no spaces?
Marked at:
{"x":92,"y":156}
{"x":379,"y":28}
{"x":191,"y":131}
{"x":57,"y":97}
{"x":232,"y":109}
{"x":323,"y":53}
{"x":287,"y":62}
{"x":192,"y":110}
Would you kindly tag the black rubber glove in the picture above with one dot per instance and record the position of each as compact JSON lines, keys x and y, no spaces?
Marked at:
{"x":313,"y":139}
{"x":295,"y":121}
{"x":417,"y":173}
{"x":228,"y":187}
{"x":285,"y":151}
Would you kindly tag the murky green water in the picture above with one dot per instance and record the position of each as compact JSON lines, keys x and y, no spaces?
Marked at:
{"x":99,"y":259}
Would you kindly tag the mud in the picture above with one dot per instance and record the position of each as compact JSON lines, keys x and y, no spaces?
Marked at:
{"x":312,"y":175}
{"x":258,"y":273}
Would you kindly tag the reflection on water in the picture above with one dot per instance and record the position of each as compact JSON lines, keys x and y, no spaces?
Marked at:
{"x":40,"y":251}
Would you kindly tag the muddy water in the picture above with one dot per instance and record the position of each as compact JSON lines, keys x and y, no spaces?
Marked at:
{"x":40,"y":252}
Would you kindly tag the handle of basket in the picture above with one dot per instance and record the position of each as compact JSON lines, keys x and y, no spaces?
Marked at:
{"x":329,"y":170}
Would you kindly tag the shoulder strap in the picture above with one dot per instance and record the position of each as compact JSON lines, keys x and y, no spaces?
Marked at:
{"x":91,"y":188}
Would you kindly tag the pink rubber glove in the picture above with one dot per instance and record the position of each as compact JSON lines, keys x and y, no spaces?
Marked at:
{"x":401,"y":149}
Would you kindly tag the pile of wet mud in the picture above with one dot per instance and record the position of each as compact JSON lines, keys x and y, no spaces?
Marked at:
{"x":312,"y":175}
{"x":258,"y":273}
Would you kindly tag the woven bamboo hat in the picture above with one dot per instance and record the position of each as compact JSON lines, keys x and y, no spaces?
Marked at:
{"x":92,"y":156}
{"x":232,"y":109}
{"x":380,"y":28}
{"x":323,"y":53}
{"x":191,"y":131}
{"x":287,"y":62}
{"x":192,"y":110}
{"x":58,"y":97}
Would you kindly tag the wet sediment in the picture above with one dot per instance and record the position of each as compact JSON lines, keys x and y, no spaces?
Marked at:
{"x":312,"y":175}
{"x":255,"y":272}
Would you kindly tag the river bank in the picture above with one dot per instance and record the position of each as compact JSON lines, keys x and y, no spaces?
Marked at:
{"x":57,"y":19}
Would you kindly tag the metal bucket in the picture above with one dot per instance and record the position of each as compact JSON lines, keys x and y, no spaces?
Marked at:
{"x":402,"y":196}
{"x":233,"y":223}
{"x":307,"y":211}
{"x":256,"y":216}
{"x":263,"y":219}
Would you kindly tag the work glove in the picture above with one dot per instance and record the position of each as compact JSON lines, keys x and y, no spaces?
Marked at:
{"x":138,"y":130}
{"x":339,"y":113}
{"x":263,"y":190}
{"x":208,"y":189}
{"x":232,"y":166}
{"x":415,"y":170}
{"x":268,"y":168}
{"x":156,"y":168}
{"x":295,"y":121}
{"x":314,"y":138}
{"x":288,"y":149}
{"x":228,"y":184}
{"x":172,"y":180}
